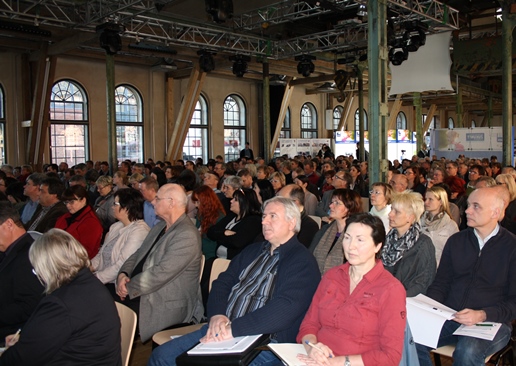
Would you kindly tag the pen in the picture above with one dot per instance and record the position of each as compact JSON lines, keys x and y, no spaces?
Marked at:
{"x":484,"y":325}
{"x":16,"y":335}
{"x":314,"y":346}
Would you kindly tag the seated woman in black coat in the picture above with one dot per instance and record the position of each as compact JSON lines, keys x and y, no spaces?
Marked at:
{"x":76,"y":323}
{"x":240,"y":227}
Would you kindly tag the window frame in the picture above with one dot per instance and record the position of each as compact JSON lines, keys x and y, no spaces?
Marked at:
{"x":3,"y":124}
{"x":357,"y":120}
{"x":337,"y":115}
{"x":200,"y":114}
{"x":65,"y":123}
{"x":312,"y":131}
{"x":234,"y":132}
{"x":401,"y":121}
{"x":286,"y":127}
{"x":138,"y":123}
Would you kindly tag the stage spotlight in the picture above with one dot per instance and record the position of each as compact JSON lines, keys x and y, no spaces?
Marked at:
{"x":206,"y":61}
{"x":415,"y":39}
{"x":397,"y":55}
{"x":305,"y":66}
{"x":239,"y":64}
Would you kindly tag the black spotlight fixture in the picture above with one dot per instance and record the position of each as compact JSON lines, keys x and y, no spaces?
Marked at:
{"x":398,"y":54}
{"x":206,"y":61}
{"x":110,"y":37}
{"x":415,"y":39}
{"x":239,"y":64}
{"x":305,"y":66}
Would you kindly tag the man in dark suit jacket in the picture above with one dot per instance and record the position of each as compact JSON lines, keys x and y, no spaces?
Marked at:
{"x":50,"y":207}
{"x":20,"y":289}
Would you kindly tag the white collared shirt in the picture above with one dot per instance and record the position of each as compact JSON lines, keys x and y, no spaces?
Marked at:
{"x":481,"y":242}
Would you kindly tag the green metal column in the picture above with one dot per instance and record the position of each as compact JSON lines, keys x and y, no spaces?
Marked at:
{"x":266,"y":111}
{"x":361,"y":112}
{"x":418,"y":120}
{"x":377,"y":57}
{"x":459,"y":109}
{"x":110,"y":103}
{"x":508,"y":24}
{"x":489,"y":111}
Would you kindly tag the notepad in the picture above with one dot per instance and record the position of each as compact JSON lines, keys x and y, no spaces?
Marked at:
{"x":288,"y":352}
{"x":231,"y":346}
{"x":485,"y":330}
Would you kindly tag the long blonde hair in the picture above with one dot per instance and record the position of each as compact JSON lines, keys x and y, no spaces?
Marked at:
{"x":57,"y":257}
{"x":442,"y":196}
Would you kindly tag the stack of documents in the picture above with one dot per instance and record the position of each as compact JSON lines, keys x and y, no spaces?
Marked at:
{"x":288,"y":352}
{"x":234,"y":345}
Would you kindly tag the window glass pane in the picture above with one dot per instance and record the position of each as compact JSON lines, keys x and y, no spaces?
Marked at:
{"x":129,"y":144}
{"x":234,"y":138}
{"x":2,"y":104}
{"x":337,"y":115}
{"x":357,"y":121}
{"x":68,"y":143}
{"x":308,"y":121}
{"x":69,"y":127}
{"x":196,"y":143}
{"x":401,"y":121}
{"x":285,"y":132}
{"x":127,"y":105}
{"x":2,"y":143}
{"x":234,"y":141}
{"x":473,"y":124}
{"x":67,"y":102}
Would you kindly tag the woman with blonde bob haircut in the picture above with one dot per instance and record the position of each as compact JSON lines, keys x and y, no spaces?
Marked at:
{"x":408,"y":253}
{"x":77,"y":321}
{"x":436,"y":222}
{"x":381,"y":199}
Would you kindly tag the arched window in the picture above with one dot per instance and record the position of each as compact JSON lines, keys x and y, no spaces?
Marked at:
{"x":401,"y":121}
{"x":308,"y":121}
{"x":2,"y":126}
{"x":196,"y":143}
{"x":357,"y":121}
{"x":69,"y":123}
{"x":473,"y":124}
{"x":129,"y":124}
{"x":234,"y":127}
{"x":286,"y":132}
{"x":451,"y":123}
{"x":337,"y":115}
{"x":433,"y":124}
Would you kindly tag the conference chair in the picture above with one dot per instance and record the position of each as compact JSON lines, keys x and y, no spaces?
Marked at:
{"x":219,"y":266}
{"x":128,"y":327}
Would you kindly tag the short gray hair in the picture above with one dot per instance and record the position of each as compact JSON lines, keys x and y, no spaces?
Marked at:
{"x":233,"y":181}
{"x":291,"y":210}
{"x":57,"y":257}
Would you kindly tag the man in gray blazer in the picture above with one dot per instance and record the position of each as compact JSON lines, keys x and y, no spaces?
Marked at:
{"x":160,"y":281}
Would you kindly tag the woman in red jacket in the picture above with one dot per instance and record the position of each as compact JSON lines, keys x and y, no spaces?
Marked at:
{"x":80,"y":221}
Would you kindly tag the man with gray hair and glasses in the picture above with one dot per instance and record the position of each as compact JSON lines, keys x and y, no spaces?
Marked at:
{"x":279,"y":273}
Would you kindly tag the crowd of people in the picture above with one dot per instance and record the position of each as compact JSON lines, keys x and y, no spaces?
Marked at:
{"x":319,"y":255}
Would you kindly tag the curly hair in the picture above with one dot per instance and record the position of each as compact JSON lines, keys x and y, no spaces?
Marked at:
{"x":210,"y":207}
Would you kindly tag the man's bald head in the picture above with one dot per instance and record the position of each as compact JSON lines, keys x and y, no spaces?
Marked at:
{"x":294,"y":192}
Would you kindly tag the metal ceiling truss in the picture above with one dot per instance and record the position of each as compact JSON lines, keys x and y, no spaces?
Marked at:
{"x":142,"y":20}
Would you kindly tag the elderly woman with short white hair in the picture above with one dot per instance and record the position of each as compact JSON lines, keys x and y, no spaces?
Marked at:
{"x":408,"y":253}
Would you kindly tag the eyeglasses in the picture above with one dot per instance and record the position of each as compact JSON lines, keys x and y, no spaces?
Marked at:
{"x":336,"y":203}
{"x":375,"y":192}
{"x":336,"y":176}
{"x":473,"y":172}
{"x":162,"y":198}
{"x":116,"y":203}
{"x":69,"y":202}
{"x":408,"y":173}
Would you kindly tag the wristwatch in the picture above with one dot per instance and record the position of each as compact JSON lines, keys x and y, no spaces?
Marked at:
{"x":347,"y":363}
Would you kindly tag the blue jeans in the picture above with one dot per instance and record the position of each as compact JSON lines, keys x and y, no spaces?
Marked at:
{"x":166,"y":354}
{"x":469,"y":351}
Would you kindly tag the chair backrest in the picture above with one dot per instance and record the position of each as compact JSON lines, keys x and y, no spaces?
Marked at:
{"x":128,"y":327}
{"x":219,"y":266}
{"x":35,"y":234}
{"x":365,"y":204}
{"x":203,"y":259}
{"x":317,"y":219}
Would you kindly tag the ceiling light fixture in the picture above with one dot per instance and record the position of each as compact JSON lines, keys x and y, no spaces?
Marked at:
{"x":206,"y":61}
{"x":415,"y":39}
{"x":398,"y":54}
{"x":305,"y":66}
{"x":239,"y":64}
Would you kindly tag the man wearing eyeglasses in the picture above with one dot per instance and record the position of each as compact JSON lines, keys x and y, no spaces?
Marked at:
{"x":160,"y":281}
{"x":475,"y":172}
{"x":20,"y":290}
{"x":340,"y":180}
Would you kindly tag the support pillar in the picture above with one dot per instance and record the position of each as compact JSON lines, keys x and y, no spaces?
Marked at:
{"x":111,"y":113}
{"x":507,"y":28}
{"x":377,"y":57}
{"x":361,"y":112}
{"x":418,"y":120}
{"x":266,"y":112}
